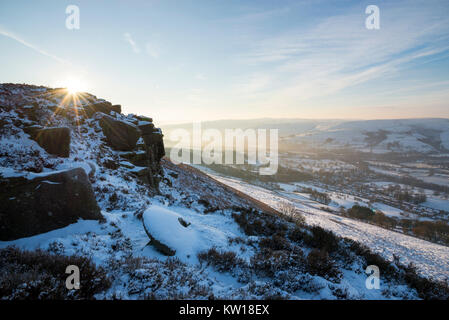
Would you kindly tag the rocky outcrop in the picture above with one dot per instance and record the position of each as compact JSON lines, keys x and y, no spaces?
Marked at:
{"x":55,"y":141}
{"x":144,"y":155}
{"x":104,"y":107}
{"x":36,"y":202}
{"x":138,"y":158}
{"x":30,"y":205}
{"x":154,"y":149}
{"x":120,"y":135}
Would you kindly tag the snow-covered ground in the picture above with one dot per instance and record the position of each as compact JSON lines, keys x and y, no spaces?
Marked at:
{"x":431,"y":259}
{"x":209,"y":210}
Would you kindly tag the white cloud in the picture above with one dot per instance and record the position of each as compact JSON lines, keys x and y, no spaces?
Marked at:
{"x":132,"y":43}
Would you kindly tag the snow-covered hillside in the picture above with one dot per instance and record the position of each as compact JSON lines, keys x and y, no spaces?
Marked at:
{"x":377,"y":136}
{"x":159,"y":230}
{"x":431,"y":259}
{"x":381,"y":136}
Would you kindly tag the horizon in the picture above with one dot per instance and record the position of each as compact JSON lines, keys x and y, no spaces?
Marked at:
{"x":189,"y":61}
{"x":307,"y":119}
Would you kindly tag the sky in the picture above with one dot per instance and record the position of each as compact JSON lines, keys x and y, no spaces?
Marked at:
{"x":200,"y":60}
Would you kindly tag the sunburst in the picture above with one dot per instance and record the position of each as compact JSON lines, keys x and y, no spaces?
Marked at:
{"x":74,"y":86}
{"x":73,"y":96}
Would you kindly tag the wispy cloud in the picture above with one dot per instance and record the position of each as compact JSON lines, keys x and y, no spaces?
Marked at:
{"x":152,"y":50}
{"x":132,"y":43}
{"x":338,"y":52}
{"x":15,"y":37}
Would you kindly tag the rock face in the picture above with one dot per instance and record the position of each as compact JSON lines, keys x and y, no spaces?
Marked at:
{"x":120,"y":135}
{"x":46,"y":202}
{"x":154,"y":149}
{"x":34,"y":203}
{"x":104,"y":107}
{"x":55,"y":141}
{"x":147,"y":154}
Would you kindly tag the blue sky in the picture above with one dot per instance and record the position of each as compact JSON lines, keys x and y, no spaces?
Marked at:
{"x":180,"y":61}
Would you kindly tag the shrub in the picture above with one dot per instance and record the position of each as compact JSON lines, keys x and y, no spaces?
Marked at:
{"x":269,"y":262}
{"x":371,"y":258}
{"x":287,"y":208}
{"x":254,"y":223}
{"x":277,"y":242}
{"x":146,"y":278}
{"x":222,"y":261}
{"x":427,"y":289}
{"x":319,"y":263}
{"x":41,"y":275}
{"x":322,"y":239}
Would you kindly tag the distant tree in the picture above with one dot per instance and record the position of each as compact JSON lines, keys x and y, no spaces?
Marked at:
{"x":287,"y":208}
{"x":361,"y":212}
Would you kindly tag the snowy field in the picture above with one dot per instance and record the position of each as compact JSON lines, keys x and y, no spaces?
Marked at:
{"x":431,"y":259}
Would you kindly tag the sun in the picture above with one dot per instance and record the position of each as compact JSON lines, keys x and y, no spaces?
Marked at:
{"x":74,"y":86}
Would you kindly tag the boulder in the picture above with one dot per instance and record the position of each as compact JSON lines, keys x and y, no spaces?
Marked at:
{"x":55,"y":141}
{"x":104,"y":107}
{"x":142,"y":173}
{"x":168,"y":232}
{"x":139,"y":171}
{"x":111,"y":164}
{"x":127,"y":165}
{"x":136,"y":158}
{"x":119,"y":134}
{"x":155,"y":144}
{"x":146,"y":127}
{"x":39,"y":203}
{"x":159,"y":246}
{"x":32,"y":130}
{"x":30,"y":110}
{"x":117,"y":108}
{"x":143,"y":118}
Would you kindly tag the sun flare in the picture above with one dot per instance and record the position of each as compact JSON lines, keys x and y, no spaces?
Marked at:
{"x":74,"y":85}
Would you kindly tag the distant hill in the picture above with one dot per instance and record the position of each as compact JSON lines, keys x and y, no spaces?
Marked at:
{"x":426,"y":135}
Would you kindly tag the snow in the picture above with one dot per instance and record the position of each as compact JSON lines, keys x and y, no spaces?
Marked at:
{"x":387,"y":210}
{"x":437,"y":203}
{"x":123,"y":233}
{"x":444,"y":136}
{"x":163,"y":224}
{"x":407,"y":135}
{"x":85,"y":165}
{"x":11,"y":173}
{"x":432,"y":260}
{"x":44,"y":239}
{"x":204,"y":231}
{"x":7,"y":172}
